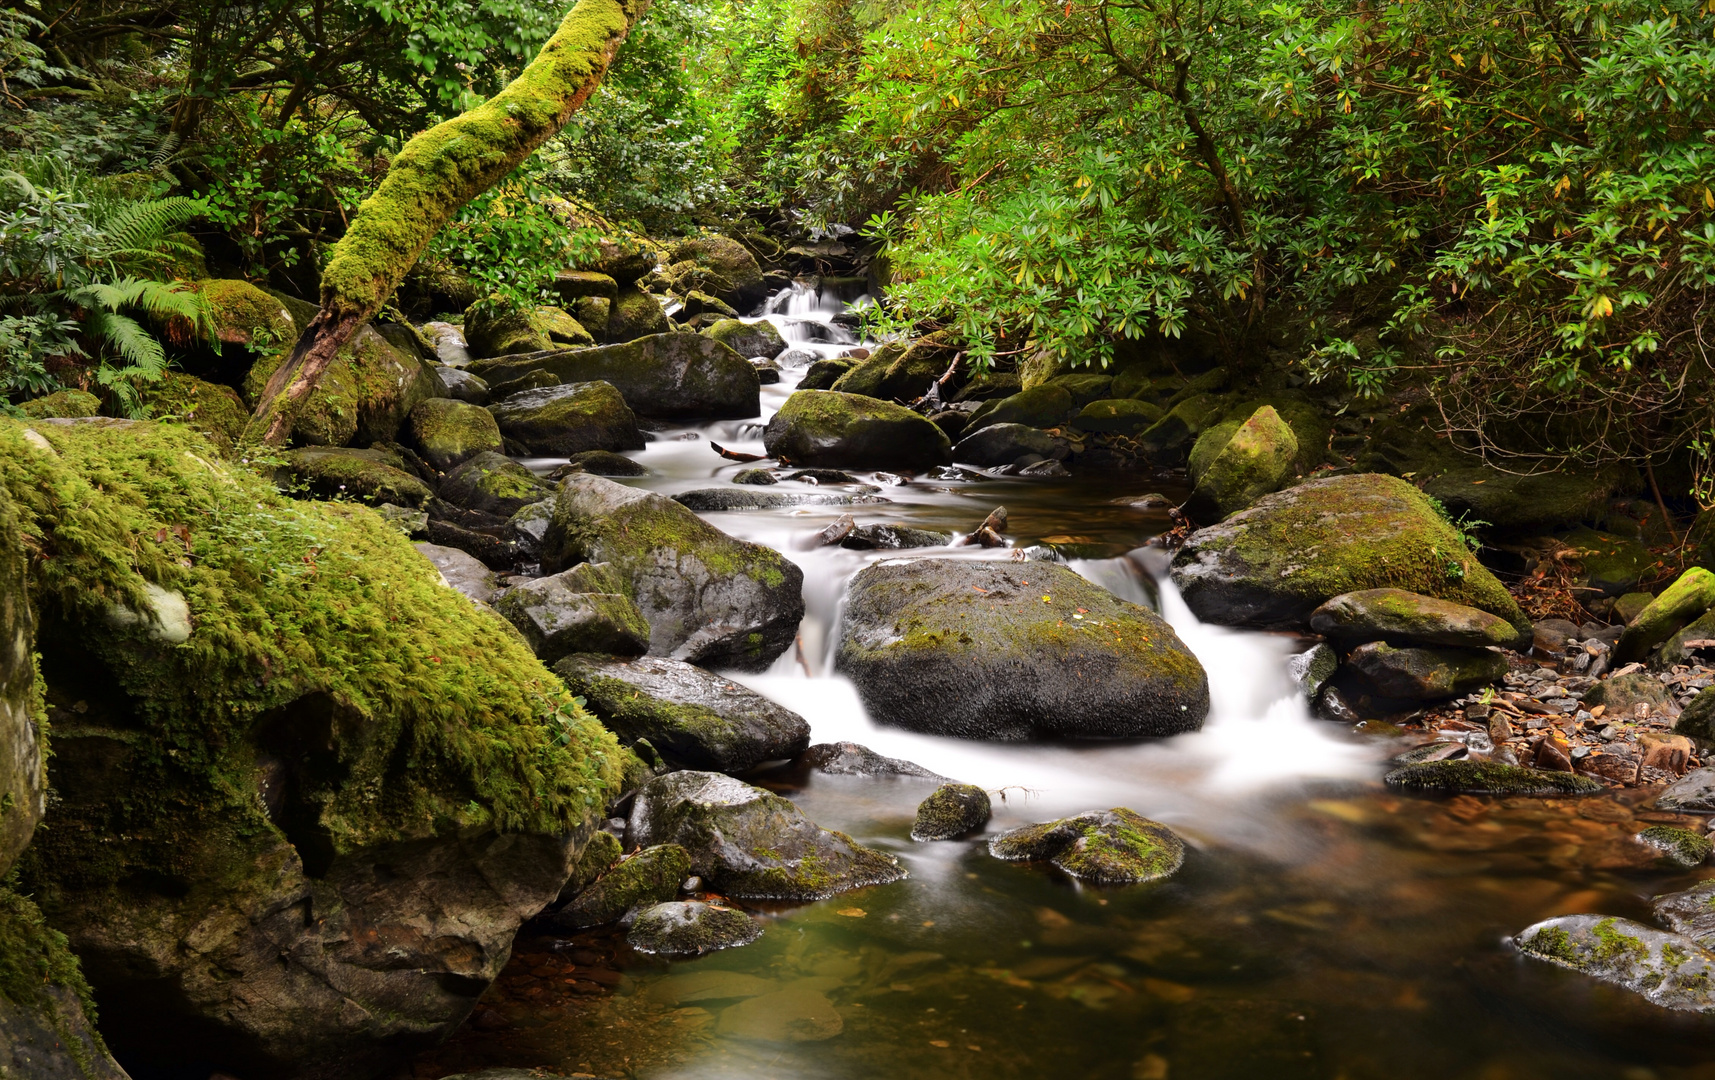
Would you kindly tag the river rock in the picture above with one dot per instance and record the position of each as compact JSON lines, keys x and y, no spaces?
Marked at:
{"x":720,"y":264}
{"x":1232,"y":469}
{"x":896,"y":373}
{"x":697,"y":719}
{"x":661,"y":376}
{"x":1691,"y":912}
{"x":823,"y":374}
{"x":888,"y":537}
{"x":854,"y":759}
{"x":559,"y":421}
{"x":571,"y":613}
{"x":1464,"y":776}
{"x":796,"y":1013}
{"x":1407,"y":618}
{"x":461,"y":571}
{"x":1424,"y":673}
{"x":461,"y":385}
{"x":1276,"y":562}
{"x":748,"y":339}
{"x":709,"y":598}
{"x":1102,"y":847}
{"x":1312,"y":668}
{"x":952,"y":810}
{"x":748,"y":843}
{"x":1120,"y":416}
{"x":1678,"y":605}
{"x":363,"y":397}
{"x":1010,"y":651}
{"x":1006,"y":444}
{"x":1697,"y":719}
{"x":1679,"y":648}
{"x":1039,"y":407}
{"x":1692,"y":793}
{"x":449,"y":432}
{"x":1668,"y":969}
{"x":634,"y":314}
{"x":712,"y":500}
{"x":1688,"y":849}
{"x":651,"y":876}
{"x":822,"y":427}
{"x":1622,"y":694}
{"x":373,"y":476}
{"x":493,"y":484}
{"x":691,"y":928}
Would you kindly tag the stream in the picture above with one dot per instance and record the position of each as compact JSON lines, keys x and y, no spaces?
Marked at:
{"x":1322,"y":926}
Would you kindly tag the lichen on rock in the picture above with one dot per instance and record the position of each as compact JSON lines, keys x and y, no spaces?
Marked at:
{"x":1102,"y":847}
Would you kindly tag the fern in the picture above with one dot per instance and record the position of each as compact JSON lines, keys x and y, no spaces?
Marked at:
{"x":139,"y":233}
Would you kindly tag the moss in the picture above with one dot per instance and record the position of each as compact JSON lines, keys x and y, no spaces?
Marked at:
{"x":216,"y":412}
{"x":245,"y":315}
{"x":1115,"y":847}
{"x":1040,"y":407}
{"x":634,"y":314}
{"x":951,"y":810}
{"x":67,"y":404}
{"x":364,"y":475}
{"x":898,"y":372}
{"x":1123,"y":416}
{"x":825,"y":427}
{"x":651,"y":876}
{"x":1611,"y":563}
{"x":691,"y":929}
{"x":1488,"y":778}
{"x":823,"y":374}
{"x":441,"y":721}
{"x":1612,"y":945}
{"x":1689,"y":596}
{"x":1553,"y":943}
{"x":1253,"y":461}
{"x":450,"y":432}
{"x":597,"y":857}
{"x":34,"y":957}
{"x":1683,"y":846}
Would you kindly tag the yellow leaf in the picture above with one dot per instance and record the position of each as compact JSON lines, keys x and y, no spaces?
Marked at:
{"x":1600,"y":308}
{"x":852,"y":912}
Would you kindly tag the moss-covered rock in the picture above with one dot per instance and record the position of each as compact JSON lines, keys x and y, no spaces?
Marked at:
{"x":1012,"y":651}
{"x":23,"y":742}
{"x":63,"y":405}
{"x":491,"y":483}
{"x":593,"y":314}
{"x":250,"y":325}
{"x":691,"y":928}
{"x":1184,"y":421}
{"x":213,"y":411}
{"x":896,"y":372}
{"x":448,"y":432}
{"x":561,"y":327}
{"x":634,"y":314}
{"x":696,"y":719}
{"x":574,"y":285}
{"x":1407,"y":618}
{"x":1121,"y":416}
{"x":709,"y":598}
{"x":748,"y":339}
{"x":827,"y":428}
{"x":748,"y":843}
{"x":1424,"y":673}
{"x":598,"y":857}
{"x":534,"y":379}
{"x":1085,"y":387}
{"x":1669,"y":970}
{"x":489,"y":332}
{"x":1506,"y":500}
{"x":719,"y":258}
{"x":950,"y":811}
{"x":1677,"y":606}
{"x":1464,"y":776}
{"x":1628,"y":606}
{"x":1310,"y":425}
{"x":649,"y":877}
{"x":1275,"y":563}
{"x":620,"y":253}
{"x":1623,"y":693}
{"x":1682,"y":846}
{"x":569,"y":613}
{"x":1679,"y":648}
{"x":364,"y":396}
{"x":1612,"y":564}
{"x":46,"y":1010}
{"x":823,"y":374}
{"x":665,"y":376}
{"x":1102,"y":847}
{"x":1253,"y":459}
{"x":334,"y":710}
{"x":1040,"y":407}
{"x":997,"y":445}
{"x":370,"y":476}
{"x":562,"y":420}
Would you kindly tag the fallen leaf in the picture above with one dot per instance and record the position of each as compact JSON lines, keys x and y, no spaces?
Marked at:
{"x":852,"y":912}
{"x":942,"y":1043}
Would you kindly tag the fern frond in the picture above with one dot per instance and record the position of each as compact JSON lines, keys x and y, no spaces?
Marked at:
{"x":137,"y":231}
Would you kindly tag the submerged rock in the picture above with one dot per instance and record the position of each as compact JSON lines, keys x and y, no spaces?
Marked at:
{"x":709,"y":598}
{"x":748,"y":843}
{"x":1103,"y":847}
{"x":1425,"y":673}
{"x":694,"y":717}
{"x":822,"y":427}
{"x":1408,"y":618}
{"x":571,"y":613}
{"x":796,"y":1013}
{"x":1010,"y":651}
{"x":560,"y":421}
{"x":651,"y":876}
{"x":1668,"y":969}
{"x":951,"y":810}
{"x":1488,"y":778}
{"x":691,"y":928}
{"x":662,"y":376}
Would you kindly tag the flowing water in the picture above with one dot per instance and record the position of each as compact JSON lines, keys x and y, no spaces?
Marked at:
{"x":1321,"y":927}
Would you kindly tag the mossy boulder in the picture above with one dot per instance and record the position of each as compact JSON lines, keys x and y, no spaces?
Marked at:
{"x":46,"y":1009}
{"x":709,"y":598}
{"x":370,"y":476}
{"x":1506,"y":500}
{"x":748,"y":339}
{"x":620,"y":253}
{"x":823,"y":374}
{"x":567,"y":419}
{"x":950,"y":811}
{"x":1184,"y":421}
{"x":489,"y":332}
{"x":250,"y":325}
{"x":1424,"y":673}
{"x":695,"y":718}
{"x":561,"y":327}
{"x":214,"y":790}
{"x":491,"y":483}
{"x":751,"y":844}
{"x":1232,"y":469}
{"x":1085,"y":387}
{"x":448,"y":432}
{"x":1682,"y":846}
{"x":1679,"y":648}
{"x":1040,"y":407}
{"x":1408,"y":618}
{"x":828,"y":428}
{"x":1692,"y":594}
{"x":1310,"y":425}
{"x":716,"y":258}
{"x":213,"y":411}
{"x":593,"y":314}
{"x":1276,"y":562}
{"x":1621,"y":694}
{"x":1102,"y":847}
{"x":461,"y":385}
{"x":691,"y":928}
{"x":663,"y":376}
{"x":574,"y":285}
{"x":648,"y":877}
{"x":1612,"y":564}
{"x":898,"y":373}
{"x":363,"y":397}
{"x":1464,"y":776}
{"x":1010,"y":651}
{"x":62,"y":405}
{"x":1667,"y":969}
{"x":23,"y":743}
{"x":1119,"y":416}
{"x":583,"y":610}
{"x":634,"y":314}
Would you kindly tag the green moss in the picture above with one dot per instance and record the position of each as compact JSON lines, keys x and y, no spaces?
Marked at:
{"x":364,"y":475}
{"x":651,"y":876}
{"x":1114,"y":847}
{"x":1488,"y":778}
{"x":1692,"y":594}
{"x":1612,"y":945}
{"x":246,"y":316}
{"x":951,"y":810}
{"x":215,"y":412}
{"x":35,"y":957}
{"x":66,"y":404}
{"x":441,"y":720}
{"x":450,"y":432}
{"x":1553,"y":943}
{"x":1681,"y":845}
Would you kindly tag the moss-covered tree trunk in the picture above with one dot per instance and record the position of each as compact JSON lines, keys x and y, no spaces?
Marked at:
{"x":437,"y":173}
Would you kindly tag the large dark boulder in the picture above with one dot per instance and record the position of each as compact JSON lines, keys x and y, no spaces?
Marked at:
{"x":992,"y":650}
{"x":559,"y":421}
{"x":822,"y":427}
{"x":695,"y":718}
{"x":1424,"y":673}
{"x":748,"y":843}
{"x":896,"y":373}
{"x":1276,"y":562}
{"x":662,"y":376}
{"x":493,"y":484}
{"x":709,"y":598}
{"x":748,"y":339}
{"x":997,"y":445}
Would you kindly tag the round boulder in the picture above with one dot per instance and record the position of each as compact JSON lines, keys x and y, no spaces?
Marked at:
{"x":493,"y":484}
{"x":1103,"y":847}
{"x":1409,"y":618}
{"x":822,"y":427}
{"x":651,"y":876}
{"x":951,"y":810}
{"x":450,"y":432}
{"x":569,"y":419}
{"x":748,"y":338}
{"x":1004,"y":444}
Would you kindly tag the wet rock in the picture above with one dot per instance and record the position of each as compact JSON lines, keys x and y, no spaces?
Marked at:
{"x":952,"y":810}
{"x":493,"y":484}
{"x":373,"y":476}
{"x":1697,"y":720}
{"x":527,"y":526}
{"x":1332,"y":705}
{"x":748,"y":843}
{"x":1668,"y":969}
{"x":1121,"y":416}
{"x":1425,"y":673}
{"x":709,"y":598}
{"x":884,"y":537}
{"x":1039,"y":407}
{"x":634,"y":314}
{"x":1691,"y":912}
{"x":1612,"y":564}
{"x":534,"y":379}
{"x":1012,"y":651}
{"x":461,"y":571}
{"x":1629,"y":606}
{"x":1679,"y":648}
{"x":1006,"y":444}
{"x":794,"y":1014}
{"x":570,"y":613}
{"x":1682,"y":846}
{"x":823,"y":374}
{"x":696,"y":718}
{"x":711,"y":500}
{"x":569,"y":419}
{"x":661,"y":376}
{"x":448,"y":432}
{"x":748,"y":339}
{"x":824,"y":428}
{"x":892,"y":373}
{"x":1692,"y":793}
{"x":691,"y":928}
{"x":1233,"y":468}
{"x":461,"y":385}
{"x":838,"y":531}
{"x":1487,"y":778}
{"x":853,"y":759}
{"x":1312,"y":668}
{"x":1102,"y":847}
{"x":1622,"y":694}
{"x":758,"y":477}
{"x":649,"y":877}
{"x":1275,"y":563}
{"x":1406,"y":618}
{"x":720,"y":264}
{"x":600,"y":855}
{"x":1677,"y":606}
{"x":607,"y":463}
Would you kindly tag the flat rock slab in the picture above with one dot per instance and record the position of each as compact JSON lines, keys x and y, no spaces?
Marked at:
{"x":1668,"y":969}
{"x":1487,"y":778}
{"x":1103,"y":847}
{"x":1692,"y":793}
{"x":663,"y":376}
{"x":854,"y":759}
{"x":1408,"y":618}
{"x":1009,"y":651}
{"x":748,"y":843}
{"x":694,"y":717}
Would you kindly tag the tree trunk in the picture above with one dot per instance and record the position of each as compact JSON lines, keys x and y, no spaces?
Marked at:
{"x":435,"y":175}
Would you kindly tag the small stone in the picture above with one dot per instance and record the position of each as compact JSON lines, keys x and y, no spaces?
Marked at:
{"x":951,"y":810}
{"x":755,"y":476}
{"x":690,"y":928}
{"x":852,"y":759}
